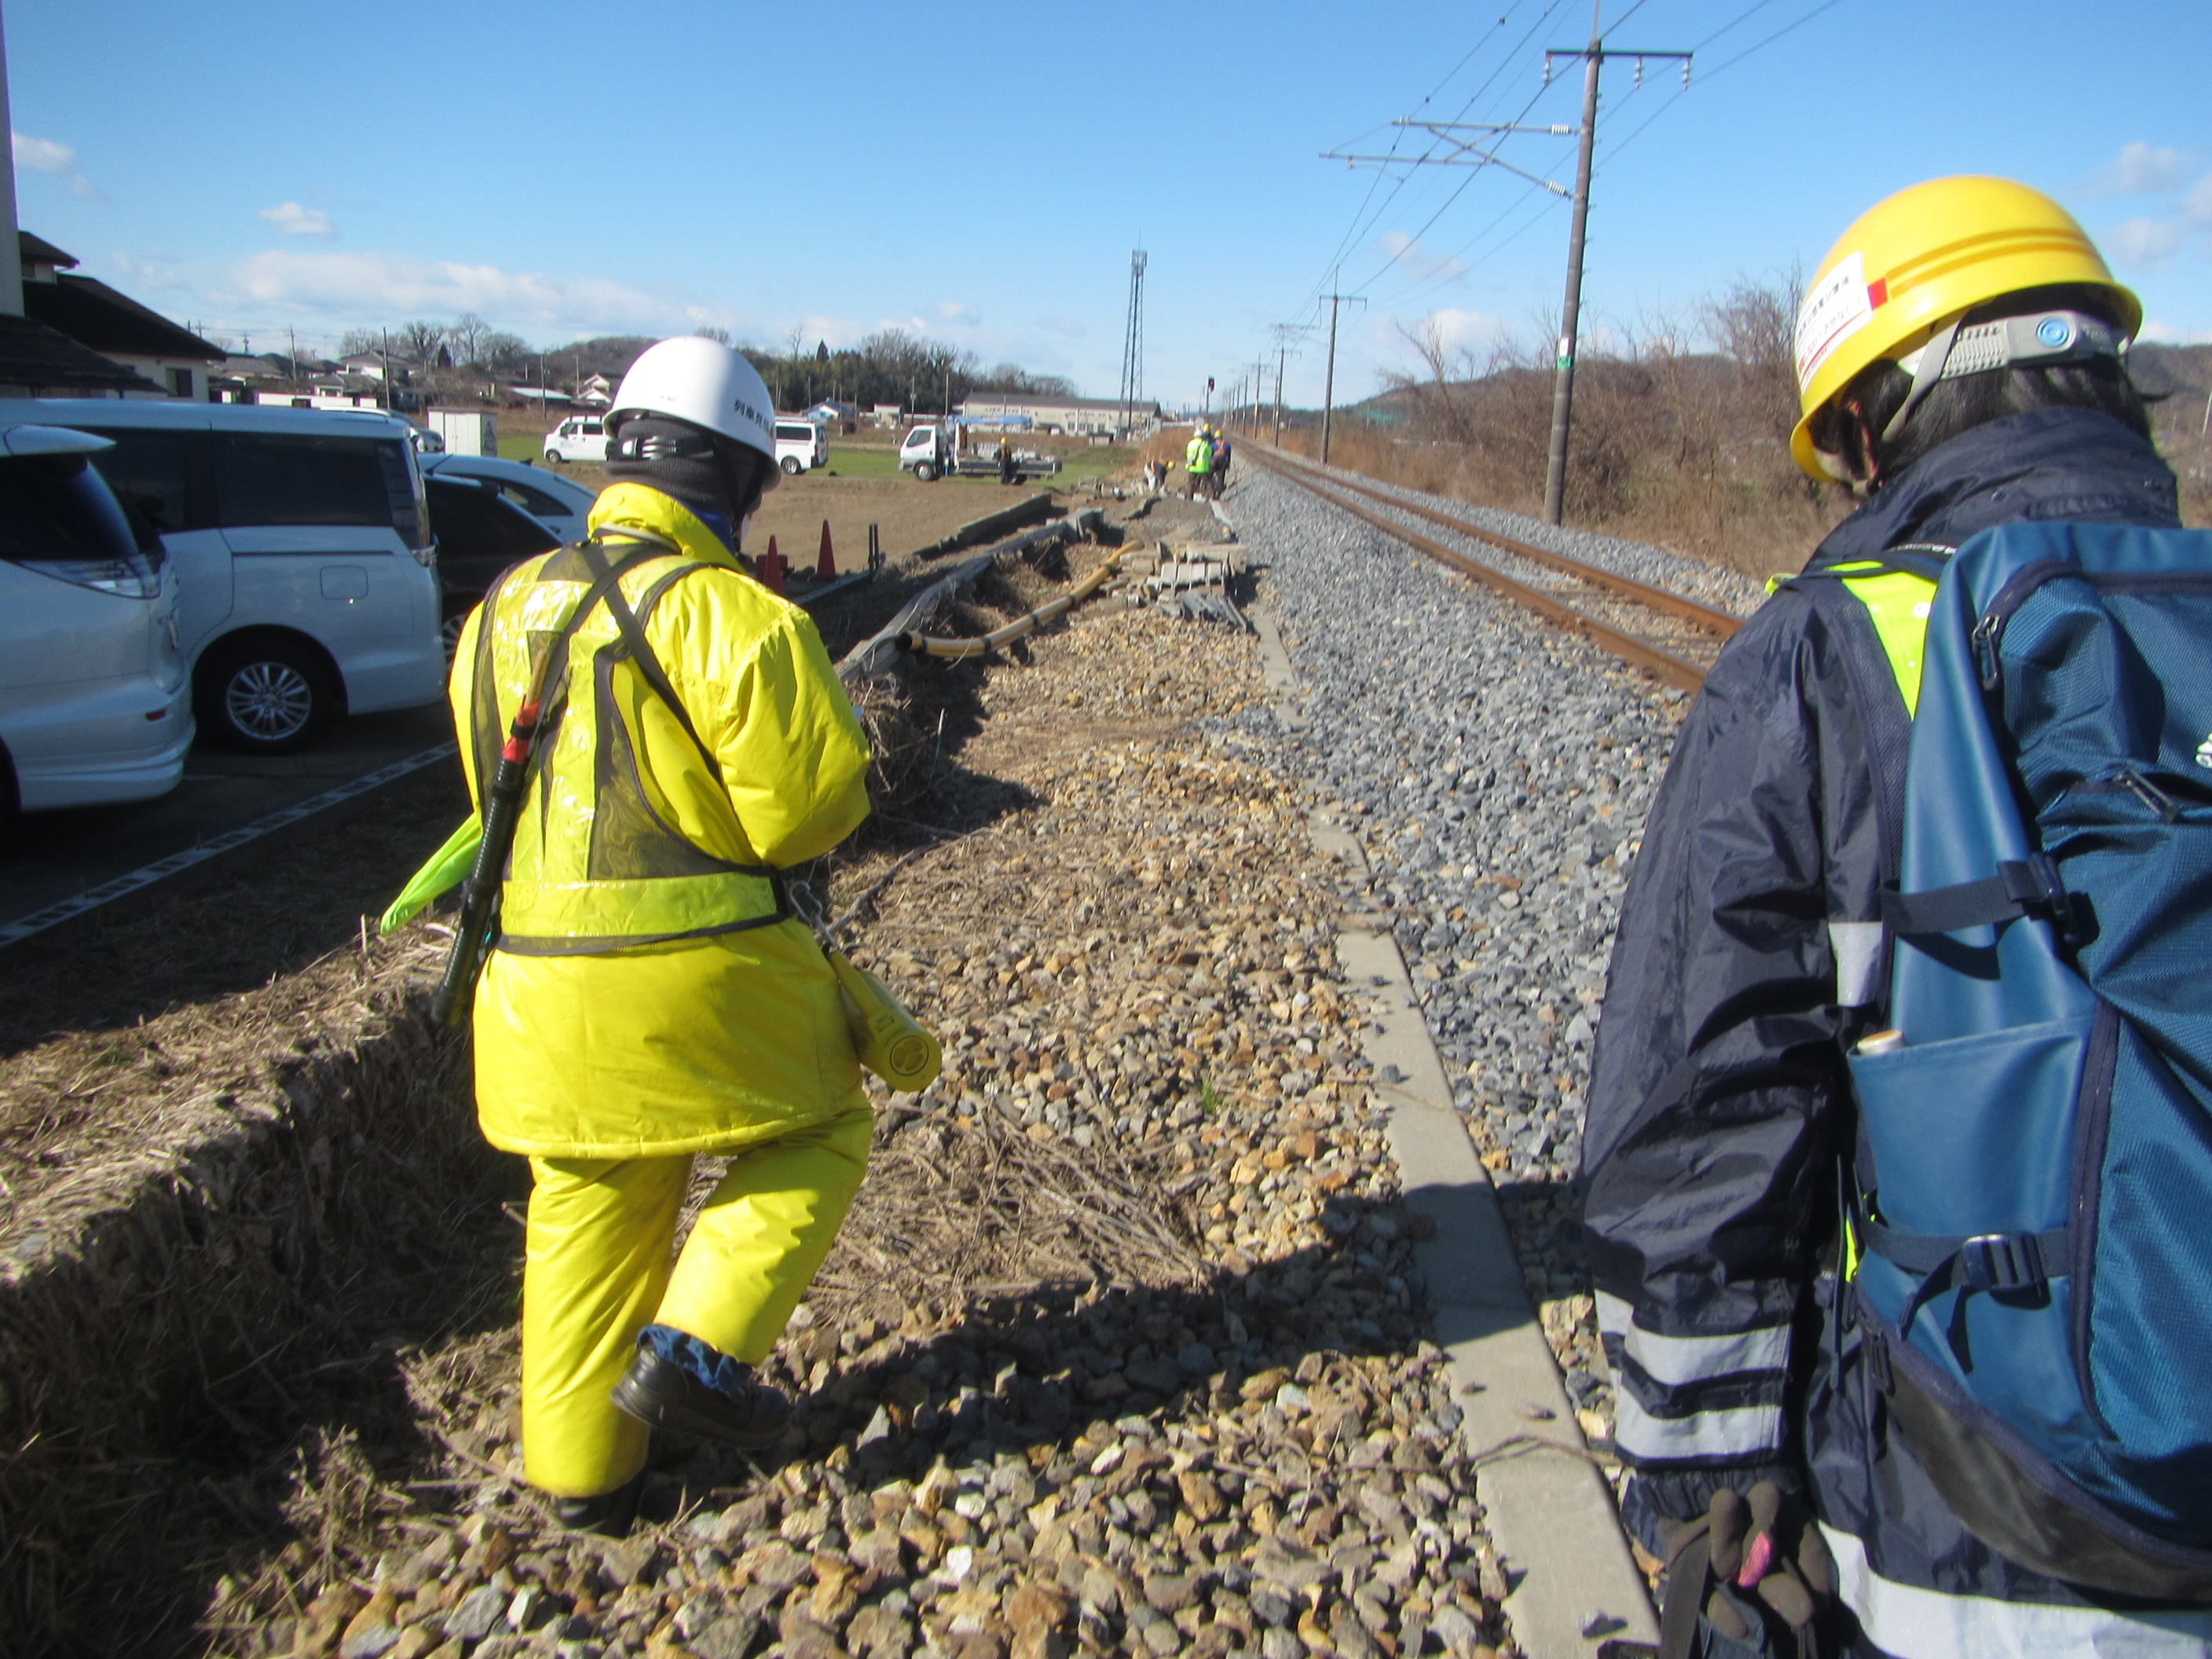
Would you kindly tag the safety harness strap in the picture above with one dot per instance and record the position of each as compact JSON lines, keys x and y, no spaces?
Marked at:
{"x":2022,"y":887}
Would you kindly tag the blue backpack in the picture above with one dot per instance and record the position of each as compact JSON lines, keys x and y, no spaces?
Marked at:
{"x":2034,"y":1180}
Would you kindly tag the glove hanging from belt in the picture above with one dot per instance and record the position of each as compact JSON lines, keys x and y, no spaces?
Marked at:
{"x":1756,"y":1566}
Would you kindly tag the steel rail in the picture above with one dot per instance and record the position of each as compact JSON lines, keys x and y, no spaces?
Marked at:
{"x":1632,"y":648}
{"x":1656,"y":599}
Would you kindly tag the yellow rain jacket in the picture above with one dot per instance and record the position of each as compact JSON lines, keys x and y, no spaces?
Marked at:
{"x":734,"y":1033}
{"x":1197,"y":456}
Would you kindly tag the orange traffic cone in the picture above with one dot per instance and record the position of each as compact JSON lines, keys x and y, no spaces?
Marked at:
{"x":771,"y":565}
{"x":825,"y":567}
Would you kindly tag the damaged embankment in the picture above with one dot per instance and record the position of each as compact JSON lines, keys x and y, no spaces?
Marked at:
{"x":202,"y":1283}
{"x":224,"y":1229}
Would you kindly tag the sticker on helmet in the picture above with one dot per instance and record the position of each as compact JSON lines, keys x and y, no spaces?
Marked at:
{"x":1841,"y":304}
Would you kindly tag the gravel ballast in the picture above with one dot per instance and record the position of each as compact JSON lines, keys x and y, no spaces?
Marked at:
{"x":1498,"y":773}
{"x":1123,"y":1349}
{"x":1678,"y":573}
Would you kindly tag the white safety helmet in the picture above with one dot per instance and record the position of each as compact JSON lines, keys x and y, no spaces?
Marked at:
{"x":703,"y":382}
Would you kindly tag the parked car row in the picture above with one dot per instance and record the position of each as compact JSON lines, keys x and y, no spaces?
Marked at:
{"x":254,"y":570}
{"x":801,"y":444}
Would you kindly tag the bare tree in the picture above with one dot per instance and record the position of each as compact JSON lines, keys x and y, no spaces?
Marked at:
{"x":420,"y":342}
{"x":1754,"y":323}
{"x":718,"y":336}
{"x":466,"y":338}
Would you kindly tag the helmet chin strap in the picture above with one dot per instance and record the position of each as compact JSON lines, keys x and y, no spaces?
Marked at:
{"x":2034,"y":339}
{"x":1933,"y":356}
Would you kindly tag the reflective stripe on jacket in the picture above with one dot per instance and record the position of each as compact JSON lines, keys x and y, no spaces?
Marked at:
{"x":646,"y":999}
{"x":1749,"y":955}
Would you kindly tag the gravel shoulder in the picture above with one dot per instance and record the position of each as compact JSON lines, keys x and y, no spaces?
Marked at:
{"x":1122,"y":1350}
{"x":1498,"y":773}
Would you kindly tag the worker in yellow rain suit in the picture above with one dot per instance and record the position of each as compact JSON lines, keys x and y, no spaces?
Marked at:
{"x":1198,"y":460}
{"x":650,"y":996}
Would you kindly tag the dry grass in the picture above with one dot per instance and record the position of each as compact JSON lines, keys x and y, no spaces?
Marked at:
{"x":200,"y":1307}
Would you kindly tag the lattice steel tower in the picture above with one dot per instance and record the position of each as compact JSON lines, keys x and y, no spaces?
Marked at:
{"x":1132,"y":345}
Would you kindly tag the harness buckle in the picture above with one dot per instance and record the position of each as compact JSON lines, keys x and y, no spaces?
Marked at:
{"x":2002,"y":1262}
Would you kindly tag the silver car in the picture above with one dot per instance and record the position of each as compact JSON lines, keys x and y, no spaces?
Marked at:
{"x":95,"y":706}
{"x":309,"y":576}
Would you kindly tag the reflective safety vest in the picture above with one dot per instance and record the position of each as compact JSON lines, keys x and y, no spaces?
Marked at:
{"x":1897,"y":600}
{"x":1198,"y":455}
{"x":597,"y":864}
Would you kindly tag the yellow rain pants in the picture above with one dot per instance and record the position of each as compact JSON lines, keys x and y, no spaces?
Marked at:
{"x":598,"y":1270}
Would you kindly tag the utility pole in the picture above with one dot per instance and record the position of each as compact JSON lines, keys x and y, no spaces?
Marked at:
{"x":1284,"y":334}
{"x":1563,"y":386}
{"x":1132,"y":343}
{"x":1466,"y":153}
{"x":1328,"y":381}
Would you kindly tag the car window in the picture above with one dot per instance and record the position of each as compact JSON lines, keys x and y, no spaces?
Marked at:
{"x":153,"y":471}
{"x":593,"y":429}
{"x":281,"y":478}
{"x":545,"y":505}
{"x":58,"y":507}
{"x":473,"y":523}
{"x":804,"y":434}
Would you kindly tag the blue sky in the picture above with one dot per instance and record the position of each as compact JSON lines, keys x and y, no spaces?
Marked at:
{"x":981,"y":173}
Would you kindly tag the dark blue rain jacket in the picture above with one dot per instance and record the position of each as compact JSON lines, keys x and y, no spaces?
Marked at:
{"x":1749,"y":957}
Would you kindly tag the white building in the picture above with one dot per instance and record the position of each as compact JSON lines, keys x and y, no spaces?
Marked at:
{"x":1040,"y":413}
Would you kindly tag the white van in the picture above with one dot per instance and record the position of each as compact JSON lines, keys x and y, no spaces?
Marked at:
{"x":308,"y":576}
{"x":578,"y":438}
{"x":800,"y":445}
{"x":94,"y":703}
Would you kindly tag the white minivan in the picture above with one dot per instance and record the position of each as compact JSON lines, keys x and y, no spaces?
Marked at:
{"x":95,"y":707}
{"x":800,"y":445}
{"x":578,"y":438}
{"x":308,"y":577}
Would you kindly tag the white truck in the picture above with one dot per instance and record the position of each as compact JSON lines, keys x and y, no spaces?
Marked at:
{"x":938,"y":449}
{"x":578,"y":438}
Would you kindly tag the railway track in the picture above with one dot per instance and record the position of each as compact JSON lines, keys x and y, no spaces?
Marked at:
{"x":1671,"y":636}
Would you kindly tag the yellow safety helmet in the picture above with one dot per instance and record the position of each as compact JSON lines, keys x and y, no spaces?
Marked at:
{"x":1924,"y":256}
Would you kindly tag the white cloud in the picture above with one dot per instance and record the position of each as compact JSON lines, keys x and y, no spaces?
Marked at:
{"x":362,"y":285}
{"x":1419,"y":260}
{"x":2152,"y":241}
{"x":295,"y":221}
{"x":1458,"y":328}
{"x":952,"y":312}
{"x":46,"y":155}
{"x":2149,"y":244}
{"x":2141,"y":169}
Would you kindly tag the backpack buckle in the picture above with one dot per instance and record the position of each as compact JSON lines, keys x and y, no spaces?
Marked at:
{"x":2002,"y":1262}
{"x":2033,"y":884}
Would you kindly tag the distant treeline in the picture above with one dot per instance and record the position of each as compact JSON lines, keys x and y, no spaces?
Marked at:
{"x":1681,"y":428}
{"x":890,"y":366}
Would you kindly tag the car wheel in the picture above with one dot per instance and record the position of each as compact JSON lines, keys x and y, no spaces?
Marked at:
{"x":790,"y":467}
{"x":263,"y":697}
{"x":925,"y":472}
{"x":557,"y":458}
{"x":449,"y":631}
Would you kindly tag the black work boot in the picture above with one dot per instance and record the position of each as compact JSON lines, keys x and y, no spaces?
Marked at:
{"x":609,"y":1514}
{"x":668,"y":1385}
